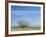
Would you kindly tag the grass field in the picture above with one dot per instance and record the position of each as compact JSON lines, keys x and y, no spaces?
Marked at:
{"x":25,"y":29}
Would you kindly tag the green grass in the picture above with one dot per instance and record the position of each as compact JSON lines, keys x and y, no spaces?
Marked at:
{"x":25,"y":29}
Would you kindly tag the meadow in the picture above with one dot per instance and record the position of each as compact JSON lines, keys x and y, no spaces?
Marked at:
{"x":24,"y":29}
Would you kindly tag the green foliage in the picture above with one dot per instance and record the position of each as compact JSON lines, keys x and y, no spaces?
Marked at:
{"x":23,"y":23}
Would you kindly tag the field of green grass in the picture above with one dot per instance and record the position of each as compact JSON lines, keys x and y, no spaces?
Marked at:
{"x":25,"y":29}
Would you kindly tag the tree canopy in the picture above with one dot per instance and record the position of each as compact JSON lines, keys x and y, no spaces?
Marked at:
{"x":23,"y":23}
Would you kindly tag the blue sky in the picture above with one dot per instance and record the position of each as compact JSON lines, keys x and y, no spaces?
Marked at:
{"x":27,"y":13}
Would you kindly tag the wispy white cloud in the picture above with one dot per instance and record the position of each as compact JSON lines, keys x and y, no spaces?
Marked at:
{"x":23,"y":12}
